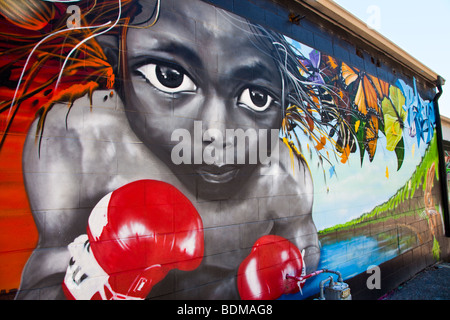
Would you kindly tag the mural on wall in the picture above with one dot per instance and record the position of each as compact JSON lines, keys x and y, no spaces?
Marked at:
{"x":177,"y":150}
{"x":447,"y":166}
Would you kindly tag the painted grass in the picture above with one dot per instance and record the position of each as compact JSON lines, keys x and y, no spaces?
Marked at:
{"x":387,"y":210}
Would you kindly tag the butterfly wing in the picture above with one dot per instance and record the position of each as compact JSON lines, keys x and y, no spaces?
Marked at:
{"x":371,"y":136}
{"x":394,"y":117}
{"x":348,"y":74}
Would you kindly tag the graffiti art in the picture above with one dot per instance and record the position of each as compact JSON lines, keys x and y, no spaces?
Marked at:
{"x":177,"y":150}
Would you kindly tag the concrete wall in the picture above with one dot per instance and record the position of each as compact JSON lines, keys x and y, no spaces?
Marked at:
{"x":208,"y":149}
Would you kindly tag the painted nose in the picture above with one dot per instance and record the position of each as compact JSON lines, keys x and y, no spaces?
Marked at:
{"x":214,"y":121}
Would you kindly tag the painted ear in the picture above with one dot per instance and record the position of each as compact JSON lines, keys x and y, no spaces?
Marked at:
{"x":110,"y":47}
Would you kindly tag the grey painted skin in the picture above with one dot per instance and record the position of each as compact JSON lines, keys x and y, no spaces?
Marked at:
{"x":126,"y":136}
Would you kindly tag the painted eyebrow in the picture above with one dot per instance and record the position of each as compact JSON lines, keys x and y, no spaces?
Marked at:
{"x":253,"y":71}
{"x":179,"y":50}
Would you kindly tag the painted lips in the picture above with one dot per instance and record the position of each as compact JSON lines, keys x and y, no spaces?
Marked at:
{"x":218,"y":174}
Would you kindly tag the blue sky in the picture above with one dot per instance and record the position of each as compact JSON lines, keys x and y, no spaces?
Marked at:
{"x":421,"y":28}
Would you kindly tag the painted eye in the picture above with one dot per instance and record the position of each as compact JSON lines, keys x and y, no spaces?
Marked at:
{"x":167,"y":79}
{"x":255,"y":99}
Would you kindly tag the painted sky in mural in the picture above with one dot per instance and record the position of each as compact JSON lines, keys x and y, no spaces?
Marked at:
{"x":380,"y":177}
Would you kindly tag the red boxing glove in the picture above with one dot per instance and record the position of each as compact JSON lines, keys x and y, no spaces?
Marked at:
{"x":262,"y":275}
{"x":136,"y":235}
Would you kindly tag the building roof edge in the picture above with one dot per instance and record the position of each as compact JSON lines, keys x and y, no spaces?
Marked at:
{"x":343,"y":19}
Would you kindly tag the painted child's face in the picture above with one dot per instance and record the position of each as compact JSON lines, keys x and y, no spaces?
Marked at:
{"x":198,"y":63}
